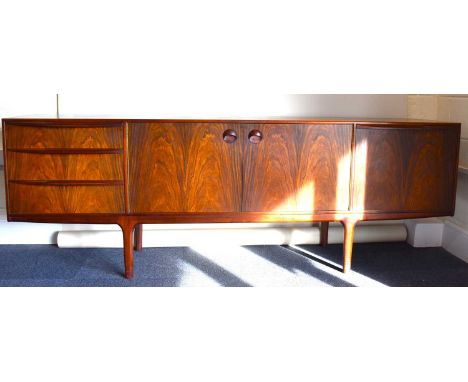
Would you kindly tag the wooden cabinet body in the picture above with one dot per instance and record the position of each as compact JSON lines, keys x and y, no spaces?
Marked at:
{"x":133,"y":172}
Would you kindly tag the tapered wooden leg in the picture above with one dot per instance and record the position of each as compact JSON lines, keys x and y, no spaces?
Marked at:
{"x":324,"y":233}
{"x":127,"y":230}
{"x":349,"y":225}
{"x":138,"y":237}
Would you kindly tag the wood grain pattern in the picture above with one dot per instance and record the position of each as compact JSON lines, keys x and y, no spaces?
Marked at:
{"x":297,"y":168}
{"x":405,"y":169}
{"x":212,"y":180}
{"x":125,"y":167}
{"x":183,"y":168}
{"x":62,"y":136}
{"x":156,"y":168}
{"x":64,"y":167}
{"x":55,"y":199}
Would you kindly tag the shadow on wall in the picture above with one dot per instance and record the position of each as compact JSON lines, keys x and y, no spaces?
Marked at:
{"x":349,"y":105}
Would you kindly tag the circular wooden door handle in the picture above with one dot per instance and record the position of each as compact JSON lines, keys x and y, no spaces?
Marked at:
{"x":229,"y":136}
{"x":255,"y":136}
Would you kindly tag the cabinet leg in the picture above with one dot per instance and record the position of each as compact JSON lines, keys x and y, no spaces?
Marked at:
{"x":127,"y":231}
{"x":324,"y":233}
{"x":138,"y":237}
{"x":349,"y":226}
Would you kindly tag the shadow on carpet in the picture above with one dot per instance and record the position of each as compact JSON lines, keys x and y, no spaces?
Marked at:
{"x":376,"y":264}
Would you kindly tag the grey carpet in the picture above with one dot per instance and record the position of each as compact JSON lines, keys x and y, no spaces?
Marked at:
{"x":382,"y":264}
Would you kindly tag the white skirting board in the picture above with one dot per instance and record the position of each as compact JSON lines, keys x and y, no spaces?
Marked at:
{"x":231,"y":236}
{"x":455,"y":240}
{"x":28,"y":233}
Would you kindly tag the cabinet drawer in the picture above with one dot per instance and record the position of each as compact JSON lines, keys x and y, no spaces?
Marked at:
{"x":42,"y":166}
{"x":50,"y":135}
{"x":65,"y":199}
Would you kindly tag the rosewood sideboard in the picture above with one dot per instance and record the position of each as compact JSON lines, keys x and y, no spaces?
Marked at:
{"x":132,"y":172}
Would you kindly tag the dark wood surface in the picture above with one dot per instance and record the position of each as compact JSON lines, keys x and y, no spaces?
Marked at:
{"x":324,"y":233}
{"x":183,"y":168}
{"x":61,"y":199}
{"x":69,"y":182}
{"x":138,"y":237}
{"x":64,"y":166}
{"x":132,"y":172}
{"x":61,"y":135}
{"x":297,"y":168}
{"x":110,"y":122}
{"x":406,"y":169}
{"x":211,"y":217}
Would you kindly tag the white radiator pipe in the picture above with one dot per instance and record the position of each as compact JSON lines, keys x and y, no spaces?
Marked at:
{"x":232,"y":236}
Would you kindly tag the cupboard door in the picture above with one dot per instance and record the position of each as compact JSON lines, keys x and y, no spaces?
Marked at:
{"x":183,"y":167}
{"x":296,"y":167}
{"x":405,"y":169}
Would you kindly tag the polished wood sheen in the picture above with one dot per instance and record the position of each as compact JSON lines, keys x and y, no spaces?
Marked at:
{"x":42,"y":166}
{"x":58,"y":134}
{"x":64,"y":199}
{"x":299,"y":168}
{"x":133,"y":172}
{"x":405,"y":169}
{"x":183,"y":167}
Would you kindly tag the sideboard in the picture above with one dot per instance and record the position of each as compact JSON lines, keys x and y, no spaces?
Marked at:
{"x":138,"y":171}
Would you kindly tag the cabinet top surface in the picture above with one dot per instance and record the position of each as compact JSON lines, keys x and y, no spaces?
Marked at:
{"x":322,"y":120}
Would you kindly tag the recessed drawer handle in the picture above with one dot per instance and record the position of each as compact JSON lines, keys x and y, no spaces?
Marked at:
{"x":255,"y":136}
{"x":229,"y":136}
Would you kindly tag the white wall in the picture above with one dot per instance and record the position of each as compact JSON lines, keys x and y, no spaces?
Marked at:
{"x":204,"y":105}
{"x":349,"y":105}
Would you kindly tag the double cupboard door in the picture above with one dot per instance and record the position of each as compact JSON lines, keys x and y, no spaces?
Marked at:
{"x":231,"y":167}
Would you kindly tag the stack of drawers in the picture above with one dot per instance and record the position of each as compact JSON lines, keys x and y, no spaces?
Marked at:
{"x":59,"y":168}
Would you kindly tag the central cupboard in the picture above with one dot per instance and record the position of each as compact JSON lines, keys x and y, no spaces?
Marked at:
{"x":187,"y":167}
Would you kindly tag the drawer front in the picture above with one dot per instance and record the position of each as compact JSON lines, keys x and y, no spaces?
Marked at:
{"x":40,"y":166}
{"x":68,"y":199}
{"x":42,"y":135}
